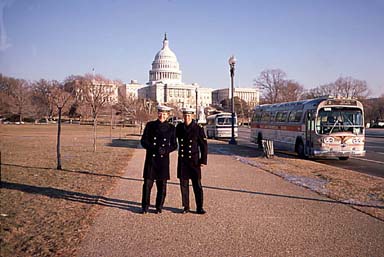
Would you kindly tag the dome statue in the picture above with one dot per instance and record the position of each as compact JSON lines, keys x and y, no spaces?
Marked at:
{"x":165,"y":67}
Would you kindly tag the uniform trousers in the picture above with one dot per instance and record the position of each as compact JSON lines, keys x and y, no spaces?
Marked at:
{"x":197,"y":189}
{"x":161,"y":185}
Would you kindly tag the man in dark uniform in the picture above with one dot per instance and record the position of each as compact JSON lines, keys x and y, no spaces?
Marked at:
{"x":193,"y":151}
{"x":159,"y":141}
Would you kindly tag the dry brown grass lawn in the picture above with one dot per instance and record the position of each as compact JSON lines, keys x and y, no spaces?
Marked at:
{"x":44,"y":211}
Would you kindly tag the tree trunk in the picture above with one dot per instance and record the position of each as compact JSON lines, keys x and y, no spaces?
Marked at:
{"x":121,"y":126}
{"x":111,"y":124}
{"x":94,"y":133}
{"x":58,"y":141}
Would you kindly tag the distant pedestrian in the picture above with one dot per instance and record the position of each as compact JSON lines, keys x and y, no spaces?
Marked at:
{"x":159,"y":141}
{"x":193,"y":151}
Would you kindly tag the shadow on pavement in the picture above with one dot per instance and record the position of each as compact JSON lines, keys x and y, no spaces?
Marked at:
{"x":291,"y":197}
{"x":123,"y":204}
{"x":79,"y":197}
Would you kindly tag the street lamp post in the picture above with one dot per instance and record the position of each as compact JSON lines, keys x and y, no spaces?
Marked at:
{"x":232,"y":62}
{"x":196,"y":117}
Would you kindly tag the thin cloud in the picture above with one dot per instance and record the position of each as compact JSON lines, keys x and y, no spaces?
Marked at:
{"x":4,"y":42}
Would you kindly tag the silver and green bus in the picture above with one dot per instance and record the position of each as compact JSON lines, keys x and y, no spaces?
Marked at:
{"x":321,"y":127}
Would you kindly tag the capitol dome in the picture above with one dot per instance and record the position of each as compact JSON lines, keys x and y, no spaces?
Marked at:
{"x":165,"y":67}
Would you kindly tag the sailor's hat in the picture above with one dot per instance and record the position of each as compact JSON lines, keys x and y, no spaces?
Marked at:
{"x":163,"y":108}
{"x":188,"y":110}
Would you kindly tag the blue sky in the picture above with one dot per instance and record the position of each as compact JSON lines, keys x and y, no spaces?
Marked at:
{"x":313,"y":41}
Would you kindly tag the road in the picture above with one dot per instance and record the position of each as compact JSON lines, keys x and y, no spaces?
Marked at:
{"x":372,"y":163}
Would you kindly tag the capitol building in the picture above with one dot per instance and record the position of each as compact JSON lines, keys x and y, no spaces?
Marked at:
{"x":165,"y":85}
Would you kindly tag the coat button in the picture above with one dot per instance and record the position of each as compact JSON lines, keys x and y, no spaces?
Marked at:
{"x":154,"y":138}
{"x":190,"y":146}
{"x":161,"y":156}
{"x":190,"y":157}
{"x":182,"y":150}
{"x":182,"y":155}
{"x":182,"y":145}
{"x":163,"y":144}
{"x":165,"y":139}
{"x":154,"y":143}
{"x":181,"y":140}
{"x":190,"y":141}
{"x":190,"y":151}
{"x":154,"y":155}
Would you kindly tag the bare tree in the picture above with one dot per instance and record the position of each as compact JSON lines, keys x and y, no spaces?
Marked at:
{"x":41,"y":98}
{"x":145,"y":111}
{"x":94,"y":92}
{"x":5,"y":103}
{"x":342,"y":87}
{"x":290,"y":91}
{"x":351,"y":88}
{"x":138,"y":110}
{"x":60,"y":98}
{"x":18,"y":96}
{"x":374,"y":110}
{"x":270,"y":82}
{"x":323,"y":90}
{"x":242,"y":108}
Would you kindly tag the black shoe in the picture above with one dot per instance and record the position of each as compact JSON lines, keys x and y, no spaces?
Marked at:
{"x":186,"y":210}
{"x":158,"y":211}
{"x":144,"y":211}
{"x":201,"y":211}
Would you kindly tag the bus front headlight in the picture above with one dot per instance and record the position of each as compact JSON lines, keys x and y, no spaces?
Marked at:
{"x":357,"y":140}
{"x":328,"y":140}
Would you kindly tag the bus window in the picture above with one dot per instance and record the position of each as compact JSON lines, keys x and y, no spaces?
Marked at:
{"x":272,"y":117}
{"x":277,"y":117}
{"x":224,"y":121}
{"x":295,"y":116}
{"x":256,"y":117}
{"x":281,"y":116}
{"x":291,"y":117}
{"x":298,"y":116}
{"x":265,"y":117}
{"x":339,"y":120}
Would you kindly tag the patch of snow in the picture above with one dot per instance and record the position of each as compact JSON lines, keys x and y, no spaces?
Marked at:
{"x":317,"y":185}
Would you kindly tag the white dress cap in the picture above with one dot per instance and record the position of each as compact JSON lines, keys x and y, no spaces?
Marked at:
{"x":188,"y":110}
{"x":163,"y":108}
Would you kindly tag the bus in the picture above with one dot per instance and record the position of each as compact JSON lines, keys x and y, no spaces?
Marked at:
{"x":219,"y":125}
{"x":322,"y":127}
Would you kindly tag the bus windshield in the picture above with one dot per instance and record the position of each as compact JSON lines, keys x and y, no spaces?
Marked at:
{"x":225,"y":121}
{"x":331,"y":120}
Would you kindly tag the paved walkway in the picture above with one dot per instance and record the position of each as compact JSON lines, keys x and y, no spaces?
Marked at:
{"x":249,"y":213}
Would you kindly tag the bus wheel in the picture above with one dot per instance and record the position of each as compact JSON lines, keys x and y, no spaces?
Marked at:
{"x":343,"y":158}
{"x":300,"y":149}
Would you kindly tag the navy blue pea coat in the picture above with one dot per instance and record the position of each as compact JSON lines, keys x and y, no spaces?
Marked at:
{"x":193,"y":150}
{"x":159,"y":141}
